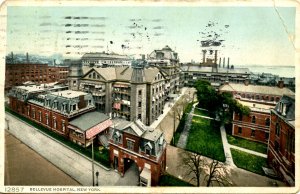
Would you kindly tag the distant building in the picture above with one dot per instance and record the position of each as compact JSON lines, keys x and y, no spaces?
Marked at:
{"x":17,"y":74}
{"x":193,"y":72}
{"x":260,"y":100}
{"x":167,"y":61}
{"x":60,"y":110}
{"x":126,"y":92}
{"x":281,"y":150}
{"x":133,"y":142}
{"x":105,"y":60}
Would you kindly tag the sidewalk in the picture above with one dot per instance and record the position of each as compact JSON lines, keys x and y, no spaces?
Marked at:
{"x":226,"y":147}
{"x":185,"y":133}
{"x":248,"y":151}
{"x":72,"y":163}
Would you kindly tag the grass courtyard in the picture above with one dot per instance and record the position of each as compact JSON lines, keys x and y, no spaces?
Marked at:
{"x":248,"y":161}
{"x":169,"y":180}
{"x":205,"y":138}
{"x":198,"y":111}
{"x":247,"y":144}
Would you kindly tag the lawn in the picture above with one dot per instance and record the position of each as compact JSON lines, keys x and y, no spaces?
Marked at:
{"x":201,"y":112}
{"x":169,"y":180}
{"x":102,"y":158}
{"x":247,"y":144}
{"x":205,"y":138}
{"x":248,"y":161}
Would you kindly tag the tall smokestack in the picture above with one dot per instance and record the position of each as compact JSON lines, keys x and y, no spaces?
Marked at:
{"x":216,"y":57}
{"x":54,"y":62}
{"x":12,"y":57}
{"x":220,"y":60}
{"x":204,"y":52}
{"x":228,"y":63}
{"x":27,"y":58}
{"x":223,"y":62}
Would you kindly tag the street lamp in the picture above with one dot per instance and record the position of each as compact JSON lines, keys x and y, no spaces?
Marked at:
{"x":93,"y":161}
{"x":97,"y":174}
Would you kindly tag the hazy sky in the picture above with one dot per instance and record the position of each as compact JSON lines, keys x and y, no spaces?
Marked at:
{"x":250,"y":35}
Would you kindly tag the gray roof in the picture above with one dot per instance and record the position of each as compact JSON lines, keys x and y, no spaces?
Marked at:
{"x":88,"y":120}
{"x":152,"y":134}
{"x":105,"y":56}
{"x":197,"y":68}
{"x":167,"y":51}
{"x":267,"y":90}
{"x":290,"y":108}
{"x":123,"y":73}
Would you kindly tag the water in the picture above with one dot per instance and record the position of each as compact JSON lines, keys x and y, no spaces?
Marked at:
{"x":281,"y":71}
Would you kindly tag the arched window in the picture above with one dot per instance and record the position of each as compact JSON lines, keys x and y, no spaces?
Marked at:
{"x":277,"y":99}
{"x":272,"y":98}
{"x":267,"y":98}
{"x":267,"y":121}
{"x":253,"y":120}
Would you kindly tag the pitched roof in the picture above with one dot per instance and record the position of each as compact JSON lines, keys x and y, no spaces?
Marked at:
{"x":108,"y":73}
{"x":267,"y":90}
{"x":88,"y":120}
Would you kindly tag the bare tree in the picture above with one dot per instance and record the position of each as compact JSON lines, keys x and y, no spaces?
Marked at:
{"x":194,"y":163}
{"x":217,"y":173}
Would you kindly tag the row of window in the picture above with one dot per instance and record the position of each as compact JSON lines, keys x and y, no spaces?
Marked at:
{"x":40,"y":119}
{"x":253,"y":120}
{"x":240,"y":131}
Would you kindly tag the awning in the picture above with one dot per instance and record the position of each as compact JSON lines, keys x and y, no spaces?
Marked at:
{"x":98,"y":128}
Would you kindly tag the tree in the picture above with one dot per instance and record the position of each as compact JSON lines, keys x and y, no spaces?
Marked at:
{"x":217,"y":173}
{"x":207,"y":96}
{"x":194,"y":163}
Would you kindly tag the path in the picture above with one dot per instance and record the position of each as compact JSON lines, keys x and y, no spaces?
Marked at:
{"x":72,"y":163}
{"x":185,"y":133}
{"x":205,"y":117}
{"x":226,"y":147}
{"x":249,"y":151}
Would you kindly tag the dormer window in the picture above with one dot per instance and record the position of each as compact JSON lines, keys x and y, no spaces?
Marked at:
{"x":148,"y":148}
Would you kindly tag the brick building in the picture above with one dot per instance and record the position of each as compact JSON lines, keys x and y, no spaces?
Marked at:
{"x":260,"y":100}
{"x":60,"y":110}
{"x":281,"y":150}
{"x":17,"y":74}
{"x":125,"y":92}
{"x":133,"y":142}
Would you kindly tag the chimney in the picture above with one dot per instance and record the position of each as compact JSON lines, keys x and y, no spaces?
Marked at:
{"x":228,"y":63}
{"x":12,"y":57}
{"x":281,"y":83}
{"x":216,"y":57}
{"x":27,"y":58}
{"x":204,"y":52}
{"x":220,"y":62}
{"x":223,"y":62}
{"x":246,"y":82}
{"x":143,"y":57}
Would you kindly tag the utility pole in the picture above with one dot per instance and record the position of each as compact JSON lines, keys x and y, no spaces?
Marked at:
{"x":93,"y":161}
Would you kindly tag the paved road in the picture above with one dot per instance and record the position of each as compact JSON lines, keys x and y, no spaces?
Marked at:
{"x":23,"y":166}
{"x":72,"y":163}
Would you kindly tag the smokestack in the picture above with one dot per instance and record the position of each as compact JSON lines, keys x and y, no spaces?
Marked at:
{"x":143,"y":57}
{"x":12,"y":57}
{"x":54,"y":62}
{"x":228,"y":63}
{"x":216,"y":56}
{"x":223,"y":62}
{"x":27,"y":58}
{"x":204,"y":52}
{"x":220,"y":62}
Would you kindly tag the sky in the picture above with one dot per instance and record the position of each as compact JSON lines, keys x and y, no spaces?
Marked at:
{"x":248,"y":35}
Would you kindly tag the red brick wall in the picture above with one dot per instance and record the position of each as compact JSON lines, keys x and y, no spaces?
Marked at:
{"x":14,"y":103}
{"x":282,"y":157}
{"x":246,"y":124}
{"x":157,"y":168}
{"x":131,"y":137}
